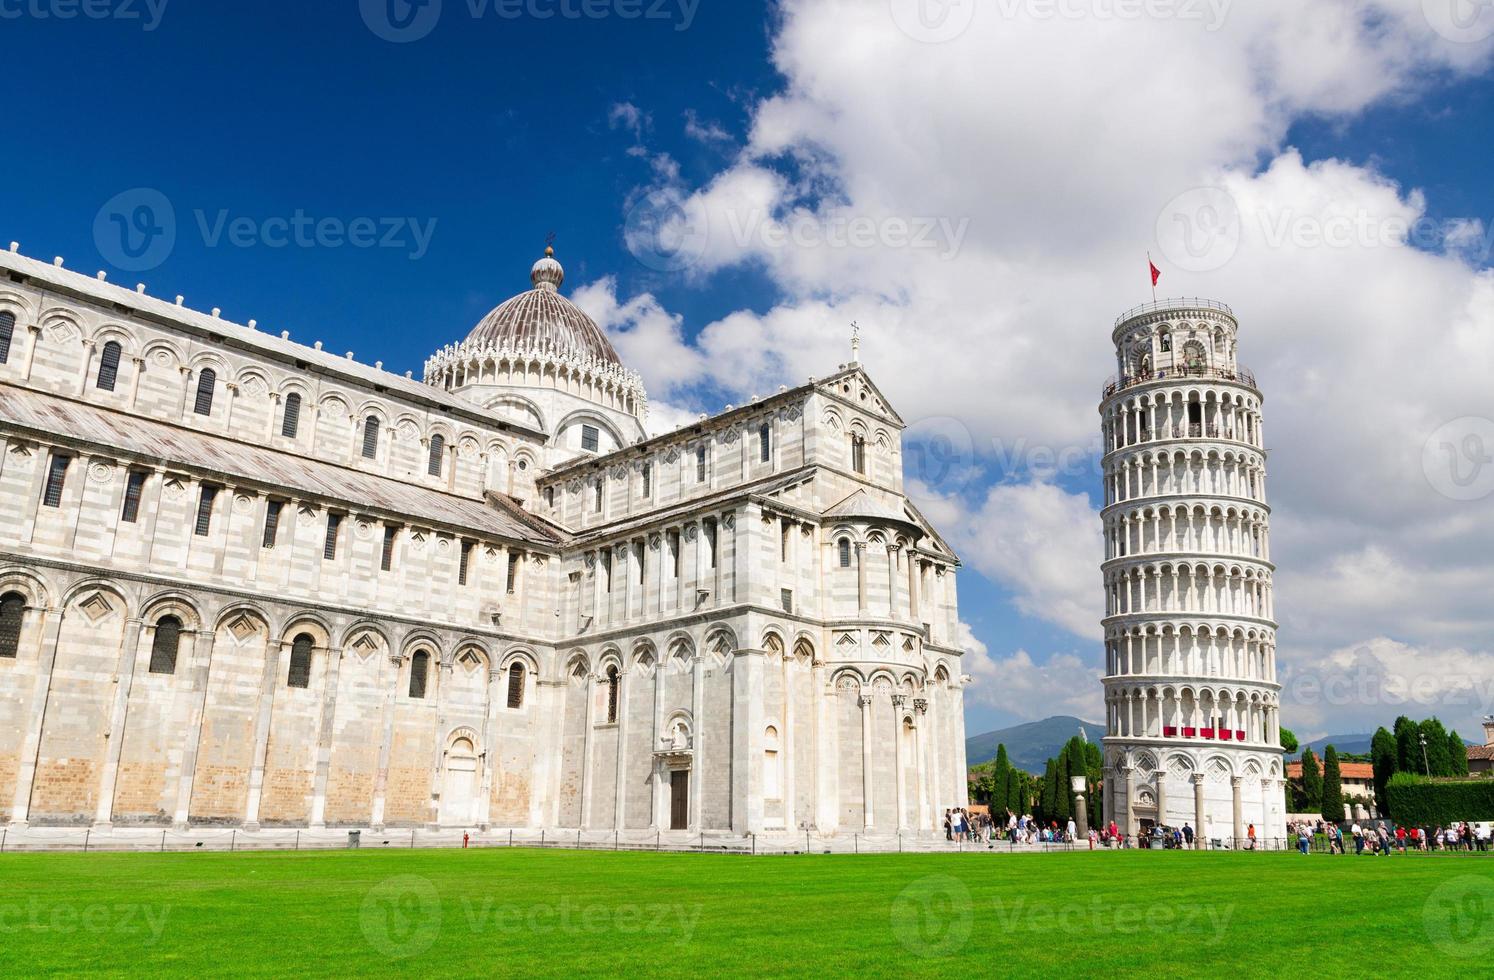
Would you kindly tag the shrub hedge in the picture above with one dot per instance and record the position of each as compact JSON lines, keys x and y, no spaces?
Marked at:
{"x":1422,"y":802}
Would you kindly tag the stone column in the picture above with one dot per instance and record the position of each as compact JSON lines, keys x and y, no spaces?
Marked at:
{"x":860,"y":578}
{"x":826,"y":775}
{"x":124,"y":677}
{"x":656,"y":817}
{"x":619,"y":811}
{"x":381,"y":774}
{"x":1198,"y":810}
{"x":786,"y":768}
{"x":88,"y":346}
{"x":747,"y":811}
{"x":324,"y":737}
{"x":139,"y":365}
{"x":490,"y":748}
{"x":1162,"y":792}
{"x":34,"y":330}
{"x":200,"y":658}
{"x":1238,"y":808}
{"x":921,"y":763}
{"x":866,"y":760}
{"x":268,"y":684}
{"x":697,"y":718}
{"x":1133,"y":826}
{"x":898,"y":700}
{"x":40,"y":694}
{"x":588,"y":748}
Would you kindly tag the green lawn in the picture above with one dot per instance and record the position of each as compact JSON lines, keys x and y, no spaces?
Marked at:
{"x":583,"y":913}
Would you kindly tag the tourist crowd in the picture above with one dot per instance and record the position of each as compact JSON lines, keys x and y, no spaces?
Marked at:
{"x":1382,"y":838}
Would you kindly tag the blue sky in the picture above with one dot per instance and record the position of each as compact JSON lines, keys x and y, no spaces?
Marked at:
{"x":493,"y":131}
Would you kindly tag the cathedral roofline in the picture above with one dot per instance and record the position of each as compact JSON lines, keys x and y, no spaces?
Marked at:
{"x":137,"y":303}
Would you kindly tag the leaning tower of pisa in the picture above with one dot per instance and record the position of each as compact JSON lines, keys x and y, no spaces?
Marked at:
{"x":1191,"y":698}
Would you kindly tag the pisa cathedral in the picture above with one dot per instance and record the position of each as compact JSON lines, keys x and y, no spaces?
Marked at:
{"x":1191,"y":697}
{"x":250,"y":583}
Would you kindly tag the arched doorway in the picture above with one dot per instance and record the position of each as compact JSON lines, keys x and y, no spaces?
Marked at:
{"x":459,"y":783}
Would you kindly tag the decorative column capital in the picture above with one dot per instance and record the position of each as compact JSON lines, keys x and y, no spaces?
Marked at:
{"x":865,"y":700}
{"x":899,"y":699}
{"x":921,"y":705}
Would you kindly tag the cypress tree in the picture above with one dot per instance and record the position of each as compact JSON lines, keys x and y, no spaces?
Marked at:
{"x":1383,"y":758}
{"x":1458,"y":753}
{"x":1001,"y":777}
{"x":1312,"y":783}
{"x":1438,"y":759}
{"x":1333,"y":787}
{"x":1048,"y":804}
{"x":1407,"y":755}
{"x":1016,"y":791}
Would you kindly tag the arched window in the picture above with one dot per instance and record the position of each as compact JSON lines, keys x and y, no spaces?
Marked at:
{"x":1164,"y":341}
{"x":858,"y":453}
{"x":109,"y":366}
{"x":7,"y":328}
{"x":516,"y":685}
{"x":845,"y":552}
{"x":163,"y":648}
{"x":765,"y":442}
{"x":12,"y":611}
{"x":438,"y":447}
{"x":612,"y":681}
{"x":207,"y":380}
{"x":420,"y":666}
{"x":300,"y":665}
{"x":371,"y":437}
{"x":290,"y":421}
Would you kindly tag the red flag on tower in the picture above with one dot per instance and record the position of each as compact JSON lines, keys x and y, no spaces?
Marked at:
{"x":1156,"y":272}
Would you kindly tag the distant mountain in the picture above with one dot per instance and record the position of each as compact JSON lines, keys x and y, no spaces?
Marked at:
{"x":1030,"y":746}
{"x":1357,"y":744}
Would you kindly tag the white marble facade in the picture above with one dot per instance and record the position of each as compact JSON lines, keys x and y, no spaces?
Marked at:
{"x":246,"y":582}
{"x":1191,"y":698}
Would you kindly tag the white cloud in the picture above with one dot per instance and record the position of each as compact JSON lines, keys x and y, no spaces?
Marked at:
{"x":1364,"y":346}
{"x":1062,"y":685}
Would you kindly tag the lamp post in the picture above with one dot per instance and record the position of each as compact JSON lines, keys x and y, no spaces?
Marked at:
{"x":1081,"y":815}
{"x":1424,"y":767}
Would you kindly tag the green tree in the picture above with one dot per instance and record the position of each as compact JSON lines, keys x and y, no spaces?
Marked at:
{"x":1333,"y":787}
{"x":1383,"y":758}
{"x":1458,"y":753}
{"x":1407,"y":755}
{"x":1312,"y":783}
{"x":1048,"y":801}
{"x":1438,"y":759}
{"x":1288,"y":740}
{"x":1000,"y":782}
{"x":1016,"y":791}
{"x":1063,"y":802}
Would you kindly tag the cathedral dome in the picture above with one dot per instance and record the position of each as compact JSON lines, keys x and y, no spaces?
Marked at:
{"x":543,"y":320}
